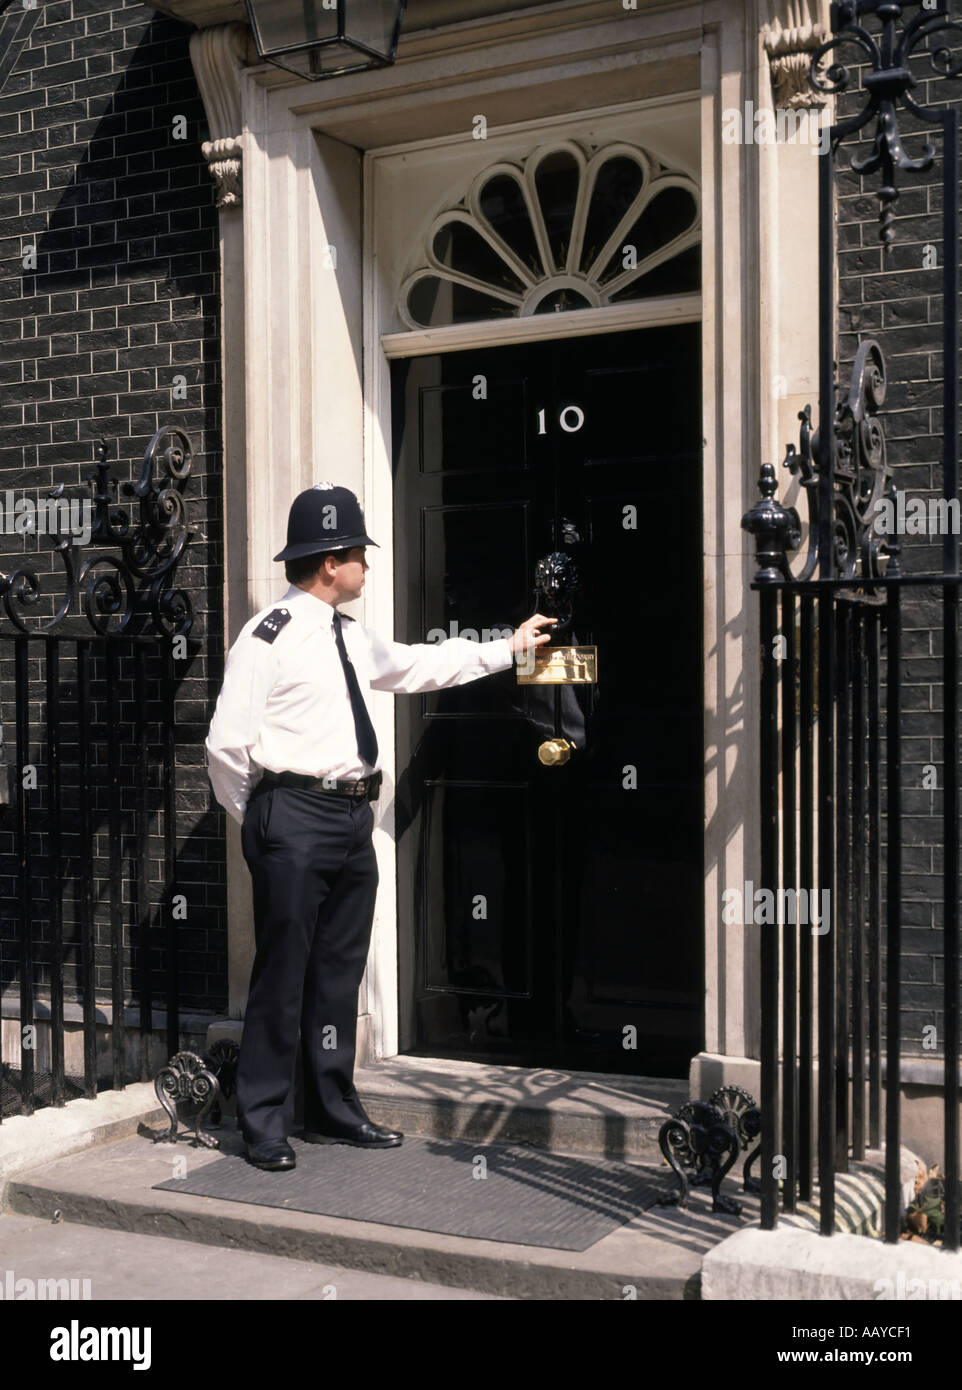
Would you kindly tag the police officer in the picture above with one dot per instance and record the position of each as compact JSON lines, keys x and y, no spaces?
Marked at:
{"x":292,"y":755}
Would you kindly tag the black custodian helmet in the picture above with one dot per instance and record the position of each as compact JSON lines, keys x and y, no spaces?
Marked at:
{"x":324,"y":517}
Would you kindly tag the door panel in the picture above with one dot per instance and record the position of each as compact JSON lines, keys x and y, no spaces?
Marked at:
{"x":553,"y":915}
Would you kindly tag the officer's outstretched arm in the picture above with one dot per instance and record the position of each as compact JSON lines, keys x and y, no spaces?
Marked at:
{"x":424,"y":666}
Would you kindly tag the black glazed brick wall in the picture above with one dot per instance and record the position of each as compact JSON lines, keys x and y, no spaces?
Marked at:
{"x":122,"y":301}
{"x":896,"y":297}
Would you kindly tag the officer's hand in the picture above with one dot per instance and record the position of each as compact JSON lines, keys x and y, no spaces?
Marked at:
{"x":526,"y":637}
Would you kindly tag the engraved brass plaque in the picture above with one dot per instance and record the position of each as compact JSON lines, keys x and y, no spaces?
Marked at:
{"x":561,"y":666}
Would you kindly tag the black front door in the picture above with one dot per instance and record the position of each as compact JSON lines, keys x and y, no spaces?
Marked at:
{"x":552,"y":915}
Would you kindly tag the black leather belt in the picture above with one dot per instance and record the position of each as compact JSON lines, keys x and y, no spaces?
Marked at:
{"x":369,"y":787}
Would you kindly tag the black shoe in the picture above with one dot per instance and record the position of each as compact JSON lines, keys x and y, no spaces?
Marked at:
{"x":364,"y":1136}
{"x":271,"y":1154}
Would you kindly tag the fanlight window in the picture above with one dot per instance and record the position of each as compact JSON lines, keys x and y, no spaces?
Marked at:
{"x":563,"y":231}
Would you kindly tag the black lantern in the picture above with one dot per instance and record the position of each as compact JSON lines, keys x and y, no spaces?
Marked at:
{"x":324,"y":38}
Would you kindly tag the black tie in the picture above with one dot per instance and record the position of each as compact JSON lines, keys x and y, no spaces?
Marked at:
{"x":366,"y":737}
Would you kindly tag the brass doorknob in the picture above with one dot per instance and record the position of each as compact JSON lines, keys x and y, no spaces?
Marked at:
{"x":555,"y":751}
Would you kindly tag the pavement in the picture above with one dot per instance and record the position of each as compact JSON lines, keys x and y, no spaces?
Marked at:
{"x":128,"y":1267}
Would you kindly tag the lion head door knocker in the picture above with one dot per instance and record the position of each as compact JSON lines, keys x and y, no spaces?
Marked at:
{"x":557,"y":582}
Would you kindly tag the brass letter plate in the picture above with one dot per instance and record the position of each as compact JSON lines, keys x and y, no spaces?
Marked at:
{"x":560,"y":666}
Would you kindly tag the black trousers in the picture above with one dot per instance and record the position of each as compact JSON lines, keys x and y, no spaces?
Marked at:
{"x":314,"y":877}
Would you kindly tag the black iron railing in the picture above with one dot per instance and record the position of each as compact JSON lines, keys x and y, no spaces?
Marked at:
{"x":831,"y":626}
{"x":89,"y":667}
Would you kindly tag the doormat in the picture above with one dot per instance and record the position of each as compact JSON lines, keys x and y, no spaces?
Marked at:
{"x":502,"y":1192}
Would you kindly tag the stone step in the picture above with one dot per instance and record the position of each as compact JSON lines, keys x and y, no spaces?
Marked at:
{"x":567,"y":1112}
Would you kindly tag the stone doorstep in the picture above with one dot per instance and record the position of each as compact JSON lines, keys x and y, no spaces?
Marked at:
{"x":658,"y":1253}
{"x":571,"y":1112}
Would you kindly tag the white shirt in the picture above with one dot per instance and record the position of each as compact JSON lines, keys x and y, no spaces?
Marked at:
{"x":284,"y":705}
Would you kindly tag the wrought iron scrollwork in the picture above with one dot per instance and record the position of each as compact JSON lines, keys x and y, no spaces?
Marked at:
{"x":706,"y":1137}
{"x":200,"y":1079}
{"x":889,"y":82}
{"x":742,"y":1115}
{"x":136,"y":588}
{"x":862,"y":481}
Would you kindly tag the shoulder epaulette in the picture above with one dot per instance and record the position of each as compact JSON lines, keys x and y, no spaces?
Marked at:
{"x":269,"y":627}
